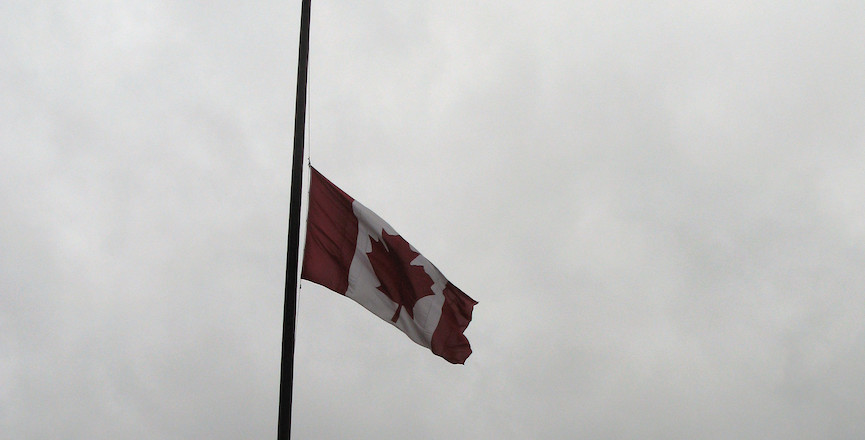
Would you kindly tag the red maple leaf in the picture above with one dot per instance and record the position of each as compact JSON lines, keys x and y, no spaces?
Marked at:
{"x":401,"y":281}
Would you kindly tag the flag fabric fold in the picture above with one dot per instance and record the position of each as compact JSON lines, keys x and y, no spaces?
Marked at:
{"x":352,"y":251}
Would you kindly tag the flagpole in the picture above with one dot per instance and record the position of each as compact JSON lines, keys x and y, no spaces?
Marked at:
{"x":289,"y":314}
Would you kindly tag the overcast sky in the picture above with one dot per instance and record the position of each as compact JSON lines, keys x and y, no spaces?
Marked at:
{"x":659,"y":206}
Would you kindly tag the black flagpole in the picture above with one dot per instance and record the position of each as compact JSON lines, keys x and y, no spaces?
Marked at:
{"x":286,"y":377}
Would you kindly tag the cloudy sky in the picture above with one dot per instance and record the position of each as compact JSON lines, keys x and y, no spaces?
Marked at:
{"x":659,"y":206}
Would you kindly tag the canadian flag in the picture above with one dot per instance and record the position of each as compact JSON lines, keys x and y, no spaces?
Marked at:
{"x":352,"y":251}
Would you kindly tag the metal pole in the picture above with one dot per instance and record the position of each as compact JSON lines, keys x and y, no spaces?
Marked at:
{"x":287,"y":368}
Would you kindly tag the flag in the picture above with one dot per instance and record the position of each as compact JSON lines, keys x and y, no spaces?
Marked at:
{"x":352,"y":251}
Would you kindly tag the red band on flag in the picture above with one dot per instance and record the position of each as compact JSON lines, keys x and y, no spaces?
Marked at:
{"x":331,"y":235}
{"x":448,"y":340}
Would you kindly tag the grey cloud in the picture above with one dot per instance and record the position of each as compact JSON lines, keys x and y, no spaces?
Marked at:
{"x":658,"y":207}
